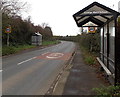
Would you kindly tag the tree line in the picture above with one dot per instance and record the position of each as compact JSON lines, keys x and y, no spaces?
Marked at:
{"x":21,"y":30}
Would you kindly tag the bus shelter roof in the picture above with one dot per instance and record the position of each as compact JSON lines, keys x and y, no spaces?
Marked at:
{"x":96,"y":13}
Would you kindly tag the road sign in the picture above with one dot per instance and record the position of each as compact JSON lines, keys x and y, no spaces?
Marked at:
{"x":8,"y":29}
{"x":91,"y":29}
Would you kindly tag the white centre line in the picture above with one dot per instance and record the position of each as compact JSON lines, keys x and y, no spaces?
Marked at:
{"x":26,"y":61}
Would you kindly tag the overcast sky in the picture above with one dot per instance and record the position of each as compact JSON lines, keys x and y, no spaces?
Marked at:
{"x":58,"y":13}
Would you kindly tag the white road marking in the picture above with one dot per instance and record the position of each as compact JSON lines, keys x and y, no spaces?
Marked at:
{"x":1,"y":70}
{"x":26,"y":61}
{"x":55,"y":55}
{"x":45,"y":53}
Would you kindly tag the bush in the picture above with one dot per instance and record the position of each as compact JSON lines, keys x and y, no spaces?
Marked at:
{"x":91,"y":42}
{"x":89,"y":60}
{"x":8,"y":50}
{"x":88,"y":57}
{"x":110,"y":91}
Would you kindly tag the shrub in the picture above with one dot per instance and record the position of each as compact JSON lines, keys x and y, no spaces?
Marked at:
{"x":90,"y":42}
{"x":8,"y":50}
{"x":110,"y":91}
{"x":89,"y":60}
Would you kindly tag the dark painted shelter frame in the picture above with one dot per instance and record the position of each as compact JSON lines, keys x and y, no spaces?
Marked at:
{"x":113,"y":15}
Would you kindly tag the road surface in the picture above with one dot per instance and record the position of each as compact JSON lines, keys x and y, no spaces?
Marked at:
{"x":32,"y":73}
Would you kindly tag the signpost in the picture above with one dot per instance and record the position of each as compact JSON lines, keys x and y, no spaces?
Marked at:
{"x":8,"y":31}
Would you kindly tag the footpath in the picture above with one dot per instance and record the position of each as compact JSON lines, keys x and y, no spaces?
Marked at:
{"x":78,"y":78}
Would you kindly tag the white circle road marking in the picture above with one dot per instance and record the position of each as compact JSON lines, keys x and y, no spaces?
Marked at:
{"x":55,"y":55}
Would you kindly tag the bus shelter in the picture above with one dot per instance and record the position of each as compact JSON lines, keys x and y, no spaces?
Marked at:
{"x":105,"y":18}
{"x":37,"y":39}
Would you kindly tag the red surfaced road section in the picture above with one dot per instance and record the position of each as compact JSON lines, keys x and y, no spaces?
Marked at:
{"x":55,"y":56}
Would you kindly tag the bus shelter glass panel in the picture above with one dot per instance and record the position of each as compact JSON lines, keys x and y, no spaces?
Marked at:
{"x":101,"y":45}
{"x":105,"y":44}
{"x":111,"y":46}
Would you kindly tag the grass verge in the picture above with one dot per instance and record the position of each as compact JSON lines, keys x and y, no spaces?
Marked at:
{"x":88,"y":57}
{"x":6,"y":50}
{"x":103,"y":91}
{"x":45,"y":43}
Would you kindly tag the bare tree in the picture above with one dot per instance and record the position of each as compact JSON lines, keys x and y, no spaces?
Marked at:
{"x":12,"y":7}
{"x":44,"y":25}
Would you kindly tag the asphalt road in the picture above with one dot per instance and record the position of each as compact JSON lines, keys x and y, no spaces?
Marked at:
{"x":32,"y":73}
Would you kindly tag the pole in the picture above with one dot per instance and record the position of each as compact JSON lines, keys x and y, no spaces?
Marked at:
{"x":7,"y":39}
